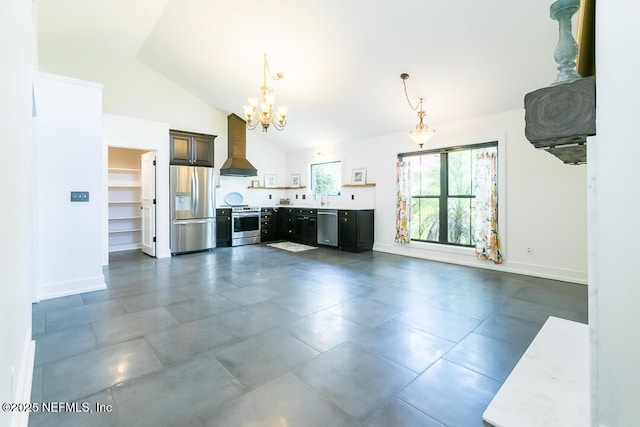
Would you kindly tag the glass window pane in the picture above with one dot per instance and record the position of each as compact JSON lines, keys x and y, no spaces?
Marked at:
{"x":459,"y":220}
{"x":460,"y":173}
{"x":425,"y":219}
{"x":425,"y":175}
{"x":326,"y":178}
{"x":458,"y":189}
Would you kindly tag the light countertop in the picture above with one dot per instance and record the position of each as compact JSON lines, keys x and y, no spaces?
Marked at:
{"x":330,"y":207}
{"x":550,"y":384}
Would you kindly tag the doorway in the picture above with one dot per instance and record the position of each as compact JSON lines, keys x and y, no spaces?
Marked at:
{"x":132,"y":200}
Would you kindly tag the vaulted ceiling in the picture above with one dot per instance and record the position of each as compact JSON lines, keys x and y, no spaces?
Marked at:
{"x":342,"y":59}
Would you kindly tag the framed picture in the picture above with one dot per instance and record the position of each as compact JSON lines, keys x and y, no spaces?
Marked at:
{"x":255,"y":183}
{"x":270,"y":180}
{"x":359,"y":176}
{"x":295,"y":180}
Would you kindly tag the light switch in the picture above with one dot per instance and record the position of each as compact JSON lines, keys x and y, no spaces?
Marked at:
{"x":79,"y":196}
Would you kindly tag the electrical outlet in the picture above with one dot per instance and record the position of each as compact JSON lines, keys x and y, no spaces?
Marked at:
{"x":529,"y":250}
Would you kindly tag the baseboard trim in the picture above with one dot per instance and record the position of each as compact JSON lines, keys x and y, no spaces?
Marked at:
{"x":163,"y":254}
{"x":63,"y":289}
{"x":468,"y":258}
{"x":25,"y":377}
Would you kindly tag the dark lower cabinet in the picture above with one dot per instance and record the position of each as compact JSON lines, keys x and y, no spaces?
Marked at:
{"x":286,"y":223}
{"x":306,"y":229}
{"x":355,"y":227}
{"x":268,"y":224}
{"x":305,"y":222}
{"x":223,"y":227}
{"x":355,"y":230}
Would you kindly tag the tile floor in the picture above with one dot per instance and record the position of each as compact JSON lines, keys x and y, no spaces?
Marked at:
{"x":255,"y":335}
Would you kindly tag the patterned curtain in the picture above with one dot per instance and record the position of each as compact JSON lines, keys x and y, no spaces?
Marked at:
{"x":487,"y":239}
{"x":403,"y":203}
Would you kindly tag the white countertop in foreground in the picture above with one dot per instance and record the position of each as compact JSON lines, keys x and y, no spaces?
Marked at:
{"x":550,"y":384}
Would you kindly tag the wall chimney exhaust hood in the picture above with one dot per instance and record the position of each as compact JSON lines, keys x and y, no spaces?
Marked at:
{"x":237,"y":163}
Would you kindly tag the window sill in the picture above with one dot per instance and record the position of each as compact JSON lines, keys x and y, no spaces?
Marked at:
{"x":435,"y":247}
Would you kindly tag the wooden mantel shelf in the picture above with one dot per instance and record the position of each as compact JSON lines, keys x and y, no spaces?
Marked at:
{"x":358,"y":185}
{"x":275,"y":188}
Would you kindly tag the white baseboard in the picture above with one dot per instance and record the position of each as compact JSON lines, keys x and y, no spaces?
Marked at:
{"x":466,"y":257}
{"x":25,"y":377}
{"x":62,"y":289}
{"x":548,"y":272}
{"x":163,"y":254}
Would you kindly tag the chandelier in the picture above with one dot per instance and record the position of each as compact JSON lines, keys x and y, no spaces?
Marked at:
{"x":264,"y":113}
{"x":421,"y":134}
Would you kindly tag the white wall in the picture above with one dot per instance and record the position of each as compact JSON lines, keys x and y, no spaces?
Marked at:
{"x":350,"y":157}
{"x":614,"y":275}
{"x":16,"y":72}
{"x":543,"y":201}
{"x":133,"y":90}
{"x":68,"y":157}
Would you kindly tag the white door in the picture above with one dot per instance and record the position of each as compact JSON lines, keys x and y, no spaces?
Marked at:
{"x":148,"y":207}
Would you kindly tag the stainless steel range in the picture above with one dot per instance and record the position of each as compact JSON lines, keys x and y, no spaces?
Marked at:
{"x":245,"y":225}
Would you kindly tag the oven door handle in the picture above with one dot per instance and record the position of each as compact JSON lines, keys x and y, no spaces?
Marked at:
{"x":245,"y":214}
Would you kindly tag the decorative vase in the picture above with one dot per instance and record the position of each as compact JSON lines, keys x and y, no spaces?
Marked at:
{"x":567,"y":48}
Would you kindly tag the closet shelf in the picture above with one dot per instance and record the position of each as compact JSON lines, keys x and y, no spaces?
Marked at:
{"x":126,"y":170}
{"x":123,"y":218}
{"x":124,"y":199}
{"x":128,"y":230}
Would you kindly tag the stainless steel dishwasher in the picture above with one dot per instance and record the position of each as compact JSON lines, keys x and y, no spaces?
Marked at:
{"x":328,"y":227}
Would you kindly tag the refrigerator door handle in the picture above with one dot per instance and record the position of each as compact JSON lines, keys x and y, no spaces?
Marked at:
{"x":192,"y":221}
{"x":197,"y":196}
{"x":194,"y":192}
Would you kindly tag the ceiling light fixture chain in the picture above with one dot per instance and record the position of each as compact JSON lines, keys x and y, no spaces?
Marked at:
{"x":267,"y":115}
{"x":404,"y":77}
{"x":421,"y":134}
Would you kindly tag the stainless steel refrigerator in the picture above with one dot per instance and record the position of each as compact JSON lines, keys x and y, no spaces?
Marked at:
{"x":193,"y":208}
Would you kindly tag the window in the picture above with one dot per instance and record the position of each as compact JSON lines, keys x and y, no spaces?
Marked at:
{"x":325,"y":178}
{"x":442,"y":194}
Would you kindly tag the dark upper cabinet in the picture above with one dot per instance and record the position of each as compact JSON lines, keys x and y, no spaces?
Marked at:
{"x":191,"y":149}
{"x":355,"y":230}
